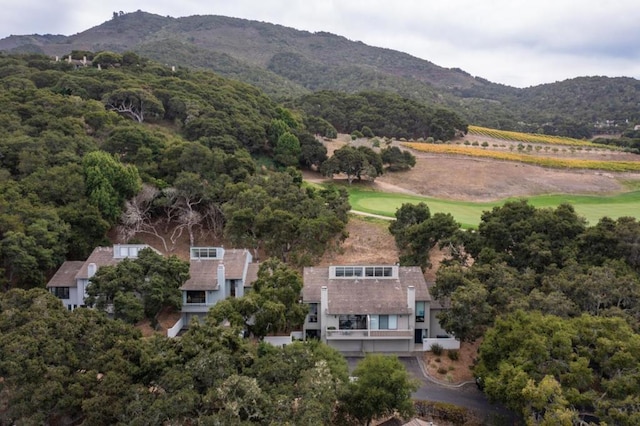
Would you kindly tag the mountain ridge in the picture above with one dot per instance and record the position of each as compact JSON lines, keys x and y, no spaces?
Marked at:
{"x":287,"y":63}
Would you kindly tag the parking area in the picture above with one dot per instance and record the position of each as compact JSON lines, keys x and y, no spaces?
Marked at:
{"x":467,"y":396}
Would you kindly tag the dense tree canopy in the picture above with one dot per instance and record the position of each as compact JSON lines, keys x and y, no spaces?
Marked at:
{"x":78,"y":157}
{"x":382,"y":387}
{"x":560,"y":304}
{"x":384,"y":114}
{"x":68,"y":367}
{"x":139,"y":288}
{"x":271,"y":307}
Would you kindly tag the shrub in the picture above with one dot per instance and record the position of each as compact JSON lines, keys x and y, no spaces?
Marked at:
{"x":485,"y":144}
{"x":475,"y":143}
{"x":442,"y":370}
{"x":467,"y":143}
{"x":437,"y":349}
{"x":430,"y":139}
{"x":375,"y":142}
{"x":453,"y":354}
{"x":445,"y":412}
{"x":366,"y":132}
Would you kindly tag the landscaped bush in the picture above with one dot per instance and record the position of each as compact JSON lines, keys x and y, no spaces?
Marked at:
{"x":442,"y":370}
{"x":453,"y":354}
{"x":444,"y":412}
{"x":437,"y":349}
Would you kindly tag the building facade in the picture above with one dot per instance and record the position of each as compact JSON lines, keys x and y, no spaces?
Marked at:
{"x":70,"y":282}
{"x":215,"y":274}
{"x":369,"y":308}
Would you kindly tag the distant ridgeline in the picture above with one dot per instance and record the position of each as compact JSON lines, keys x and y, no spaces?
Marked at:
{"x":287,"y":63}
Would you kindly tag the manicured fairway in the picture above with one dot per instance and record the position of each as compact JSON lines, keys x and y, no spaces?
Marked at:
{"x":468,"y":213}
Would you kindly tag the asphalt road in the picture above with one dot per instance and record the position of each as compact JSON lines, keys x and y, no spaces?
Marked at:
{"x":467,"y":396}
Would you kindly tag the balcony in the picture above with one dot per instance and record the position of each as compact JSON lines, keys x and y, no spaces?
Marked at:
{"x":196,"y":307}
{"x":368,"y":334}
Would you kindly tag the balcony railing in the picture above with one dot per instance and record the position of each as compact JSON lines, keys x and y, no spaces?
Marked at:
{"x":368,"y":334}
{"x":196,"y":307}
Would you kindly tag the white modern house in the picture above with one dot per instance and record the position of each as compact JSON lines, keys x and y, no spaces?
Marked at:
{"x":215,"y":273}
{"x":372,"y":308}
{"x":70,"y":282}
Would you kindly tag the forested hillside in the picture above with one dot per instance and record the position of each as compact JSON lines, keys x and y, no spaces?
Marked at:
{"x":287,"y":63}
{"x":141,"y":149}
{"x":556,"y":302}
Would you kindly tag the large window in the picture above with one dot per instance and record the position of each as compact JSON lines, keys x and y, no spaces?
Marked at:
{"x":388,"y":322}
{"x":348,"y":271}
{"x":204,"y":253}
{"x":363,"y":271}
{"x":419,"y":311}
{"x":378,"y":271}
{"x":313,"y":312}
{"x":61,"y":292}
{"x":128,"y":251}
{"x":196,"y":297}
{"x":352,"y":322}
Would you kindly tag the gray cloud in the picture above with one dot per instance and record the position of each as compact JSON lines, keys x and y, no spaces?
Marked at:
{"x":514,"y":42}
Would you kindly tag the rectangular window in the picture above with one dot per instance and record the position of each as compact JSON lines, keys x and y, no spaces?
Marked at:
{"x":388,"y":322}
{"x":196,"y":297}
{"x":313,"y":312}
{"x":378,"y":271}
{"x":61,"y":292}
{"x":352,"y":322}
{"x":374,"y":322}
{"x":383,"y":322}
{"x":419,"y":311}
{"x":204,"y":253}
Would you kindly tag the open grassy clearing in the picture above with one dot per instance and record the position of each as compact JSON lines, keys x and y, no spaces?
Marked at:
{"x":468,"y":213}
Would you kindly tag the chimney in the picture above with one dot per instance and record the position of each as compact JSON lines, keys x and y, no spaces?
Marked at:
{"x":322,"y":311}
{"x":222,"y":285}
{"x":411,"y":304}
{"x":411,"y":298}
{"x":91,"y":270}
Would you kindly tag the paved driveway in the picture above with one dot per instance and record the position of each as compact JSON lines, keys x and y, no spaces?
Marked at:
{"x":465,"y":396}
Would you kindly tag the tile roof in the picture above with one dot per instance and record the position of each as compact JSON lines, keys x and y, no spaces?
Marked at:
{"x":365,"y":295}
{"x":66,"y":275}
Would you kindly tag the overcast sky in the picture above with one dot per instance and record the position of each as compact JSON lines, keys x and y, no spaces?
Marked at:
{"x":514,"y":42}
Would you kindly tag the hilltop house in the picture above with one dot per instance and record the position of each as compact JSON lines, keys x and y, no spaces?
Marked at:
{"x":215,"y":274}
{"x":372,"y":309}
{"x":70,"y":281}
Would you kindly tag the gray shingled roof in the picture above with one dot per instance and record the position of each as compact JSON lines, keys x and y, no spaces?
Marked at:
{"x":203,"y":273}
{"x":101,"y":256}
{"x":365,"y":295}
{"x":252,"y":274}
{"x":66,"y":275}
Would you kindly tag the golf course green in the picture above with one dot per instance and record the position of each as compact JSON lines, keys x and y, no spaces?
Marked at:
{"x":468,"y":214}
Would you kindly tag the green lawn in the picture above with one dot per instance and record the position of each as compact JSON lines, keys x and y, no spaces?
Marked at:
{"x":468,"y":213}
